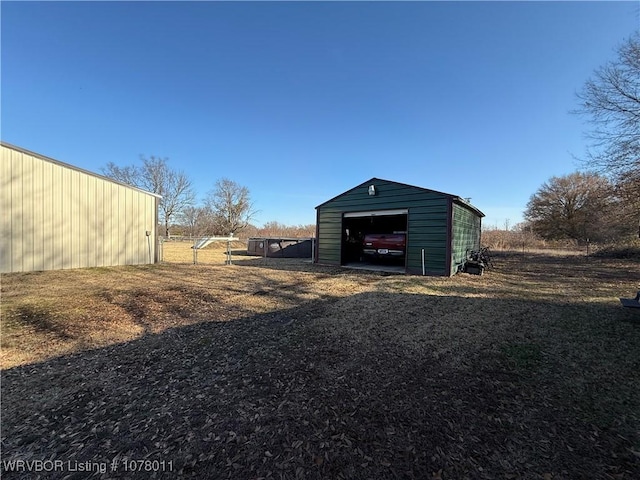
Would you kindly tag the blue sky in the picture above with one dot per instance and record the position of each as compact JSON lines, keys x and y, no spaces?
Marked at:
{"x":302,"y":101}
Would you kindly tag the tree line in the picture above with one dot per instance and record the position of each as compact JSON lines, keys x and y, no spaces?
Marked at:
{"x":602,"y":203}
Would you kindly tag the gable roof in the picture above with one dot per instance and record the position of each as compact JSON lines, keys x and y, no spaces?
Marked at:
{"x":459,"y":200}
{"x":73,"y":167}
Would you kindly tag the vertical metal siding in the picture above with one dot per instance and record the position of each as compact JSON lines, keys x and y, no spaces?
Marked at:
{"x":329,"y":243}
{"x":427,"y":222}
{"x":5,"y":210}
{"x":29,"y":215}
{"x":465,"y":235}
{"x":98,"y":231}
{"x":47,"y":224}
{"x":16,"y":213}
{"x":57,"y":217}
{"x":428,"y":231}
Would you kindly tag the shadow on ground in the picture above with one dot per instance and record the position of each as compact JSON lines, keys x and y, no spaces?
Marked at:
{"x":376,"y":385}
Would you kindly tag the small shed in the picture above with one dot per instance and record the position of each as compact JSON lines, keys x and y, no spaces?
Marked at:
{"x":280,"y":247}
{"x":439,"y":228}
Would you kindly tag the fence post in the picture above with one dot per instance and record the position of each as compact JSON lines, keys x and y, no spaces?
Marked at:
{"x":587,"y":249}
{"x":195,"y":253}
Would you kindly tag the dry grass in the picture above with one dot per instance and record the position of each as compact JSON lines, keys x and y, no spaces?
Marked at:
{"x":290,"y":370}
{"x":47,"y":314}
{"x":215,"y":253}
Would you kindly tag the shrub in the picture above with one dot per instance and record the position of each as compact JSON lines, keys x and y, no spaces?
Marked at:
{"x":629,"y":249}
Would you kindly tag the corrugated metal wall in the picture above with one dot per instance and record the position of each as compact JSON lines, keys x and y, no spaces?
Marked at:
{"x":427,"y":222}
{"x":55,"y":216}
{"x":466,"y":235}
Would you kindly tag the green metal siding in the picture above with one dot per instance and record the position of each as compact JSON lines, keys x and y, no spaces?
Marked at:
{"x":427,"y":222}
{"x":329,"y":236}
{"x":428,"y":231}
{"x":465,"y":235}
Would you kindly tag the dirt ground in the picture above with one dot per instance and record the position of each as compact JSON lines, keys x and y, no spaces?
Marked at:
{"x":283,"y":369}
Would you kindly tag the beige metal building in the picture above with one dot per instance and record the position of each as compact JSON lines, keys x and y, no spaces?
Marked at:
{"x":56,"y":216}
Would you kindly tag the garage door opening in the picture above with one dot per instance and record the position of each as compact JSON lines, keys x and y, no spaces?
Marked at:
{"x":374,"y":239}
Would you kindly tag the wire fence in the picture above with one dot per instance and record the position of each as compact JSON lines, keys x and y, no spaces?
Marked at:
{"x":225,"y":251}
{"x":583,"y":250}
{"x":211,"y":250}
{"x":232,"y":250}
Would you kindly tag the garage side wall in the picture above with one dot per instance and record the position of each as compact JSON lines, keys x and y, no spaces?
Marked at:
{"x":466,"y":232}
{"x":427,"y":223}
{"x":57,"y":217}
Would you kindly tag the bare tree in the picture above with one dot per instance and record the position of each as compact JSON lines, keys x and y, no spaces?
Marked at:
{"x":576,"y":206}
{"x":230,"y":205}
{"x":129,"y":175}
{"x":197,"y":220}
{"x":628,"y":196}
{"x":611,"y":102}
{"x":277,"y":229}
{"x":174,"y":186}
{"x":273,"y":229}
{"x":156,"y":176}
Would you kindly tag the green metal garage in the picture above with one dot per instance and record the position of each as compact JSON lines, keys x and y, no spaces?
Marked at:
{"x":432,"y":231}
